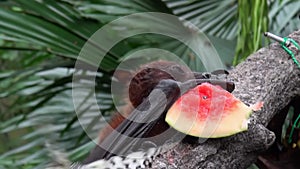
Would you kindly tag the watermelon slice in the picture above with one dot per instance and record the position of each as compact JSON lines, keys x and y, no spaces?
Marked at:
{"x":209,"y":111}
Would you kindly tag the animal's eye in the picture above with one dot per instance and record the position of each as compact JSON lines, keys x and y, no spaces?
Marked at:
{"x":207,"y":75}
{"x":204,"y":97}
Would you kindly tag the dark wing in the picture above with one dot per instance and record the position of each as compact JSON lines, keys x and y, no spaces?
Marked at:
{"x":140,"y":129}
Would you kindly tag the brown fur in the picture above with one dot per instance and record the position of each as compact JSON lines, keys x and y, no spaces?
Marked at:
{"x":141,"y":85}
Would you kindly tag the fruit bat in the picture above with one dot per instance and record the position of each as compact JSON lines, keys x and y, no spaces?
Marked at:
{"x":152,"y":91}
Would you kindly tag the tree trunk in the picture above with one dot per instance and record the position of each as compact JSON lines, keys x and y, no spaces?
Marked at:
{"x":269,"y":75}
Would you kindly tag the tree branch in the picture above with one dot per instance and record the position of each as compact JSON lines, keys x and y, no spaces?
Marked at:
{"x":269,"y":75}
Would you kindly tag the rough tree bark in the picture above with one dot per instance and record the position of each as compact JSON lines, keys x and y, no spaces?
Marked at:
{"x":269,"y":75}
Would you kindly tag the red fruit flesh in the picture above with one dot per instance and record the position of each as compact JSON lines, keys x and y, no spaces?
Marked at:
{"x":208,"y":111}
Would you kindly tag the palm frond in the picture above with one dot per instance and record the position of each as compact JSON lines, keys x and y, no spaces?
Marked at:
{"x":283,"y":17}
{"x":40,"y":42}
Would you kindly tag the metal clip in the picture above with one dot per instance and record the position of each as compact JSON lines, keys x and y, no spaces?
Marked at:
{"x":279,"y":39}
{"x":285,"y":43}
